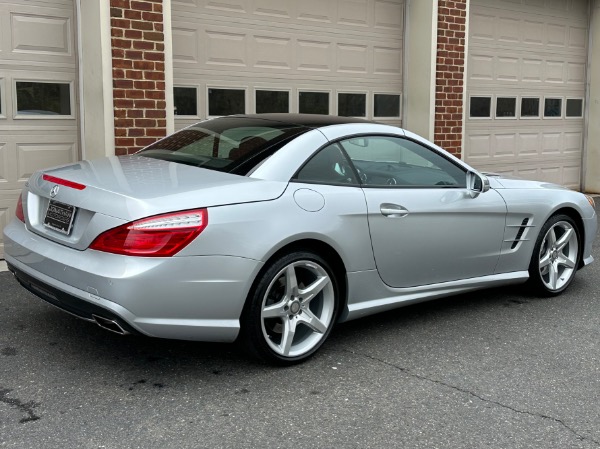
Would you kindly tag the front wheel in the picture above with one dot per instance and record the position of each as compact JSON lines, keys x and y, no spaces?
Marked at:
{"x":555,"y":256}
{"x":291,"y":309}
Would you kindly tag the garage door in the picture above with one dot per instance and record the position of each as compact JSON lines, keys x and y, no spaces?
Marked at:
{"x":339,"y":57}
{"x":38,"y":107}
{"x":526,"y":86}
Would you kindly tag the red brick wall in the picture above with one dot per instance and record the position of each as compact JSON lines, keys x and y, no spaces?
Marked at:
{"x":450,"y":65}
{"x":138,"y":60}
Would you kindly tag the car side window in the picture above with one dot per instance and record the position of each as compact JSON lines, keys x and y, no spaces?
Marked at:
{"x":328,"y":166}
{"x":394,"y":161}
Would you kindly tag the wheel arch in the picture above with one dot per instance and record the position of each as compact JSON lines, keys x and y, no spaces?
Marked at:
{"x":576,"y":217}
{"x":319,"y":247}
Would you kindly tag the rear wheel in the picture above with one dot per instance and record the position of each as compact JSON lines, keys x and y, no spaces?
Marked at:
{"x":291,"y":309}
{"x":555,"y":256}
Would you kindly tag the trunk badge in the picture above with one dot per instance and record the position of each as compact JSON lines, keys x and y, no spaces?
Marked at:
{"x":54,"y":191}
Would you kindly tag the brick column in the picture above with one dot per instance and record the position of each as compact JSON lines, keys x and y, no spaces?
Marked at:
{"x":450,"y":65}
{"x":138,"y":60}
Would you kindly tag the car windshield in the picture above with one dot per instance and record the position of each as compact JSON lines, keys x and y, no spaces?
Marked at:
{"x":229,"y":144}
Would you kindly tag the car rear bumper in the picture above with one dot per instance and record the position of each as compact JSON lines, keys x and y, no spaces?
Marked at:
{"x":187,"y":298}
{"x":68,"y":302}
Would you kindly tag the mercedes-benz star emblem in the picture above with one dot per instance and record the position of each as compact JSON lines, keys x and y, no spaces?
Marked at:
{"x":54,"y":191}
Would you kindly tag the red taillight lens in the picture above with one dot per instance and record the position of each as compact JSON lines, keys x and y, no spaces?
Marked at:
{"x":19,"y":211}
{"x":63,"y":182}
{"x":158,"y":236}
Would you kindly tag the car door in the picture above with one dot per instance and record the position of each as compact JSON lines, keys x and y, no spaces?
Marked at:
{"x":326,"y":186}
{"x":426,"y":226}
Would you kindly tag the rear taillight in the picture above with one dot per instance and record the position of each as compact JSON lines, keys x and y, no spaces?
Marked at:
{"x":158,"y":236}
{"x":19,"y":211}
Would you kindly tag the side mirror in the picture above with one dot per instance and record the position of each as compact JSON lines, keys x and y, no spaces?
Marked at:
{"x":477,"y":183}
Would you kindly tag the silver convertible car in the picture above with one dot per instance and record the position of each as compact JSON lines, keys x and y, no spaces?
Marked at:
{"x":269,"y":229}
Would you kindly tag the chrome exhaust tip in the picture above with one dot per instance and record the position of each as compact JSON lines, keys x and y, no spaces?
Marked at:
{"x":109,"y":325}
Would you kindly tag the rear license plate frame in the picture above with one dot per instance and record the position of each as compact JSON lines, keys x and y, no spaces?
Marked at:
{"x":59,"y":217}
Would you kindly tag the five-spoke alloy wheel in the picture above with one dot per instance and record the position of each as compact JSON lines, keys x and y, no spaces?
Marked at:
{"x":292,"y":308}
{"x":555,"y":256}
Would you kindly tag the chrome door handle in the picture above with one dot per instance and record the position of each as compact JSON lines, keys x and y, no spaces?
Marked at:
{"x":393,"y":210}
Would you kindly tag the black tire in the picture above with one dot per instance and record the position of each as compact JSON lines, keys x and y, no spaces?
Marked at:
{"x":283,"y":322}
{"x":555,"y":256}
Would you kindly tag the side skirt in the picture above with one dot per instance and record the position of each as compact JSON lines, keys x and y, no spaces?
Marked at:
{"x":369,"y":295}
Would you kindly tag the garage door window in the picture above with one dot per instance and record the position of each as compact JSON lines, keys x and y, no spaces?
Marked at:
{"x":552,"y":107}
{"x":574,"y":107}
{"x":313,"y":103}
{"x":226,"y":101}
{"x":352,"y":105}
{"x":272,"y":101}
{"x":480,"y":107}
{"x":386,"y":105}
{"x":185,"y":100}
{"x":506,"y":107}
{"x":530,"y":107}
{"x":43,"y":99}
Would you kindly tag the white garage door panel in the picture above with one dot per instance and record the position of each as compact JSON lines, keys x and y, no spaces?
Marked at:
{"x":527,"y":48}
{"x":487,"y":146}
{"x":298,"y":54}
{"x":567,"y":173}
{"x":372,"y":15}
{"x":316,"y":45}
{"x":37,"y":44}
{"x":32,"y":157}
{"x":28,"y":28}
{"x":532,"y":71}
{"x":38,"y":33}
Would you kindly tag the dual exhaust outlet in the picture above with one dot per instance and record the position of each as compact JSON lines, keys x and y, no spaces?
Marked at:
{"x":109,"y":325}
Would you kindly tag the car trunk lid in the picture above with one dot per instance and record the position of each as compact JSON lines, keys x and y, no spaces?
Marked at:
{"x":107,"y":192}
